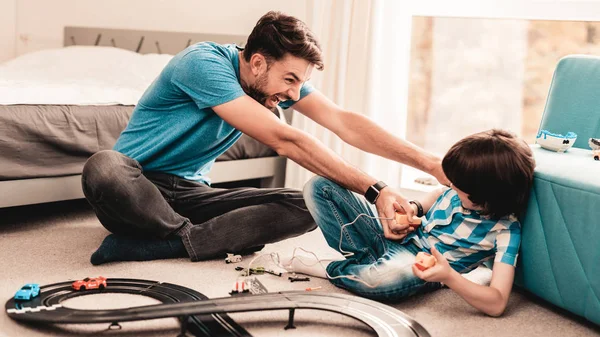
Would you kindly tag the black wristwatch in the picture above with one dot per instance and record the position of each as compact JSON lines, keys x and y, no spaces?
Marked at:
{"x":419,"y":207}
{"x":372,"y":192}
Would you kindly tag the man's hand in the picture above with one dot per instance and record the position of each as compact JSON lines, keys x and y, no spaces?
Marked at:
{"x":440,"y":272}
{"x":439,"y":174}
{"x":389,"y":202}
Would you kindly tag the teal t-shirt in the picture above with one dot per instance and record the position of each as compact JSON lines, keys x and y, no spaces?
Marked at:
{"x":173,"y":128}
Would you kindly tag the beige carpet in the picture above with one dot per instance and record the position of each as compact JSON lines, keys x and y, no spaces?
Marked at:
{"x":53,"y":242}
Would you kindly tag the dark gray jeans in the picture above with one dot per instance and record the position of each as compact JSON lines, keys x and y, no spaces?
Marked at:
{"x":211,"y":221}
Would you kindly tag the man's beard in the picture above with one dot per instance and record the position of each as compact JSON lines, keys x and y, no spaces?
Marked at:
{"x":257,"y":93}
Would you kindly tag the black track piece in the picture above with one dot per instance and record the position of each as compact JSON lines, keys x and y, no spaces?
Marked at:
{"x":220,"y":325}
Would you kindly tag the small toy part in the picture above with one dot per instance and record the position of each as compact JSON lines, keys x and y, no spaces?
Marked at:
{"x":290,"y":324}
{"x":27,"y":292}
{"x":239,"y":287}
{"x":257,"y":270}
{"x":255,"y":286}
{"x":429,"y":181}
{"x":596,"y":154}
{"x":403,"y":220}
{"x":115,"y":326}
{"x":298,"y":279}
{"x":314,"y":288}
{"x":90,"y":283}
{"x":268,"y":271}
{"x":555,"y":141}
{"x":232,"y":258}
{"x":424,"y":260}
{"x":594,"y":143}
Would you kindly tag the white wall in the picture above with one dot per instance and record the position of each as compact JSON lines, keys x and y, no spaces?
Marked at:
{"x":40,"y":23}
{"x":580,"y":10}
{"x":28,"y":25}
{"x":8,"y":33}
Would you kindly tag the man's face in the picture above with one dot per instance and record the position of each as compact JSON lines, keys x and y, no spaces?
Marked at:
{"x":281,"y":82}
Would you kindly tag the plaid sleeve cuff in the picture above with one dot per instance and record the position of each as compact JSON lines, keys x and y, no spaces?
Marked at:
{"x":510,"y":259}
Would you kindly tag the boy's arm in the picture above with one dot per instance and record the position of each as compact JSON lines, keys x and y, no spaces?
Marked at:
{"x":491,"y":300}
{"x":428,"y":200}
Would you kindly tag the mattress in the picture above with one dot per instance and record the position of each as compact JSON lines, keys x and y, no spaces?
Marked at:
{"x":55,"y":140}
{"x":60,"y":106}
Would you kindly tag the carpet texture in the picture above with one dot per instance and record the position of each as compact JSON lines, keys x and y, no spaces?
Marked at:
{"x":53,"y":242}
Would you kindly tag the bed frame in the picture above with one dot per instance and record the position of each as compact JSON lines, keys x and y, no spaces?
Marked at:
{"x":270,"y":170}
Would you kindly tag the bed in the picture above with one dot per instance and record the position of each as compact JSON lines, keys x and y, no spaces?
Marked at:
{"x":55,"y":112}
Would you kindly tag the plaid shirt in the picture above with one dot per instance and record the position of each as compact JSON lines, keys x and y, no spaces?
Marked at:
{"x":466,"y":238}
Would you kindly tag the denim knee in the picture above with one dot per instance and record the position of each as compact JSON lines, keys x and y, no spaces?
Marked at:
{"x":313,"y":190}
{"x":376,"y":281}
{"x":102,"y":171}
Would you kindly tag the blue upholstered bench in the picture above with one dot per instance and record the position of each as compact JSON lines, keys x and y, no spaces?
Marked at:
{"x":560,"y":249}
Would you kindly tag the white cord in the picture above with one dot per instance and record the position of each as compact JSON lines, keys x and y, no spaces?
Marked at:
{"x":276,"y":259}
{"x":348,"y":254}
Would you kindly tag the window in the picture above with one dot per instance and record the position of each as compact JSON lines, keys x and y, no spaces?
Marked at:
{"x":472,"y":74}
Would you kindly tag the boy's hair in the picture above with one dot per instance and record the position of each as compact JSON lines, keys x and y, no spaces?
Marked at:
{"x":276,"y":34}
{"x":495,"y":168}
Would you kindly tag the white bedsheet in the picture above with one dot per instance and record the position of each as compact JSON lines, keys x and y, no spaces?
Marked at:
{"x":79,"y":75}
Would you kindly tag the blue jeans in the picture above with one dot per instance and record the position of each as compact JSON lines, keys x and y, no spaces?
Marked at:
{"x":379,"y":268}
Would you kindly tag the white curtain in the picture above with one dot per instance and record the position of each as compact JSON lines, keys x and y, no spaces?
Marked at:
{"x":366,"y":46}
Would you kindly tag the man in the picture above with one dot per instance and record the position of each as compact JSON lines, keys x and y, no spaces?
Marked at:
{"x":152,"y":191}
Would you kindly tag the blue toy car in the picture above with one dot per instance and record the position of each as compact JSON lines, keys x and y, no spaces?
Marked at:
{"x":27,"y":292}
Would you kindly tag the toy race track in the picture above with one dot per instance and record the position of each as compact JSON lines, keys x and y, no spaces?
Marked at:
{"x":47,"y":306}
{"x":202,"y":316}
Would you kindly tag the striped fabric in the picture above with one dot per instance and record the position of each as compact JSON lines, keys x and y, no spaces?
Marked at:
{"x":466,"y":238}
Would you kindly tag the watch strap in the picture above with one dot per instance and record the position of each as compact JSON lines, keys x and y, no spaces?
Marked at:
{"x":419,"y":207}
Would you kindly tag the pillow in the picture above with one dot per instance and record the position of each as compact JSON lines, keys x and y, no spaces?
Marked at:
{"x":79,"y":75}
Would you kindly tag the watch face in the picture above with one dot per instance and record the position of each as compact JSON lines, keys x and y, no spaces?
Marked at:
{"x":372,"y":194}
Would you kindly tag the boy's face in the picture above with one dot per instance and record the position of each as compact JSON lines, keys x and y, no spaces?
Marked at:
{"x":464,"y":199}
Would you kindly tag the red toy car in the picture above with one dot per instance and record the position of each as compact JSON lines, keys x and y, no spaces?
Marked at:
{"x":90,"y":283}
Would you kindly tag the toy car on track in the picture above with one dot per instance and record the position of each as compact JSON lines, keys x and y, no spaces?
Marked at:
{"x":90,"y":283}
{"x":27,"y":292}
{"x":232,"y":258}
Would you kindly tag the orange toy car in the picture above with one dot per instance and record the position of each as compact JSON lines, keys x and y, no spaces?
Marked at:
{"x":90,"y":283}
{"x":424,"y":261}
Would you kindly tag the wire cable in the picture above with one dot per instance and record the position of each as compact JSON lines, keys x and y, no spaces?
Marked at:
{"x":275,"y":258}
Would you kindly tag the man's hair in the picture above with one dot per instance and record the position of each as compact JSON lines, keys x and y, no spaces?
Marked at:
{"x":276,"y":34}
{"x":495,"y":168}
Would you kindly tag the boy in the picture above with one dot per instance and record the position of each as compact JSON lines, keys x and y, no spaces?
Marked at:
{"x":473,"y":221}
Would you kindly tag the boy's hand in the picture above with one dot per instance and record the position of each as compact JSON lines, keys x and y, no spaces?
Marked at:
{"x":388,"y":203}
{"x":440,"y":272}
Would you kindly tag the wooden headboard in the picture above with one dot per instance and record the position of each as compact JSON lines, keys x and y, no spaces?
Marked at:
{"x":143,"y":41}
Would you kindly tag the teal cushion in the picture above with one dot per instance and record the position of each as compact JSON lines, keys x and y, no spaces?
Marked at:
{"x":560,"y":249}
{"x":574,"y":101}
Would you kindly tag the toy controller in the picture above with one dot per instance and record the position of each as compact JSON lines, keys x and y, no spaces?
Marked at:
{"x":403,"y":220}
{"x":424,"y":261}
